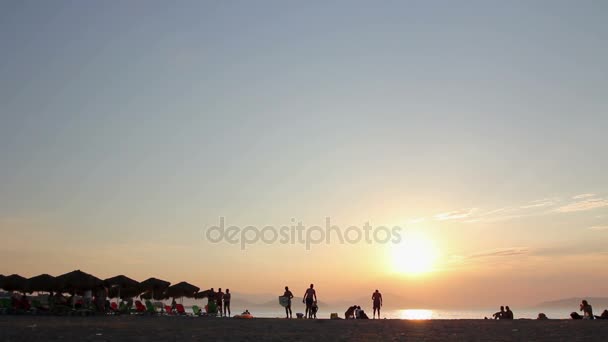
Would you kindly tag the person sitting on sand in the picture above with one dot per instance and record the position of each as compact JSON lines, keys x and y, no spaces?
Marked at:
{"x":314,"y":308}
{"x":219,"y":297}
{"x":289,"y":296}
{"x":357,"y":312}
{"x":499,"y":314}
{"x":363,"y":315}
{"x":350,"y":313}
{"x":587,"y":310}
{"x":246,"y":312}
{"x":508,"y":313}
{"x":604,"y":315}
{"x":227,"y":297}
{"x":309,"y":297}
{"x":377,"y":301}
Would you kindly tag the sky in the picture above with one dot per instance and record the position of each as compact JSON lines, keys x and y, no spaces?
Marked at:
{"x":128,"y":128}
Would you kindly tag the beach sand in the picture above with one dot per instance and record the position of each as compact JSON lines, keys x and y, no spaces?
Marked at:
{"x":142,"y":328}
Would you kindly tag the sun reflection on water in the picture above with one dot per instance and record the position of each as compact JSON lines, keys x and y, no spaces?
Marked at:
{"x":416,"y":314}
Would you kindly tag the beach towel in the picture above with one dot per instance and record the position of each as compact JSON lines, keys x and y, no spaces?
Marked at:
{"x":284,"y":301}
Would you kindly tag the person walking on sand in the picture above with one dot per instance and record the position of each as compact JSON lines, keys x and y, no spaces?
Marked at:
{"x":219,"y":296}
{"x":227,"y":296}
{"x":377,"y":300}
{"x":310,"y":296}
{"x":289,"y":296}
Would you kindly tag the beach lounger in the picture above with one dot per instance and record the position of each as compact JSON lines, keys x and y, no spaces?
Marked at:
{"x":139,"y":307}
{"x":196,"y":310}
{"x":168,"y":310}
{"x":180,"y":309}
{"x":150,"y":307}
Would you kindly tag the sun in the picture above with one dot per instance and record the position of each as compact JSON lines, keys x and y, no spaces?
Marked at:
{"x":415,"y":255}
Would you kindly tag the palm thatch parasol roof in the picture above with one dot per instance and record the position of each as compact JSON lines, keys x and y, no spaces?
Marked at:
{"x":154,"y":288}
{"x":123,"y":287}
{"x":205,"y":294}
{"x":182,"y":289}
{"x":43,"y":282}
{"x":78,"y":281}
{"x":14,"y":282}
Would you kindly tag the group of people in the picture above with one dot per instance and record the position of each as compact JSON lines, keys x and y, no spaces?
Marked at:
{"x":587,"y":310}
{"x":310,"y":299}
{"x":222,"y":301}
{"x":504,"y":313}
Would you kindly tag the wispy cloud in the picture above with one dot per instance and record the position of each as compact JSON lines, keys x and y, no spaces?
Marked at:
{"x":456,"y":214}
{"x":539,"y":203}
{"x":598,"y":228}
{"x":500,"y":252}
{"x":581,"y":196}
{"x":585,"y":204}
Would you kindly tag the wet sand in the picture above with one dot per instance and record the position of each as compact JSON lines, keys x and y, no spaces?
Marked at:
{"x":145,"y":328}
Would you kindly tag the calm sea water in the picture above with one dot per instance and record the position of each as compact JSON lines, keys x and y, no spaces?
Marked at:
{"x":423,"y":313}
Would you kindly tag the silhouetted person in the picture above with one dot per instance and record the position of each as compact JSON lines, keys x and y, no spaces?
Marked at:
{"x":350,"y":312}
{"x":508,"y":313}
{"x":603,"y":316}
{"x":219,"y":296}
{"x":289,"y":296}
{"x":227,"y":297}
{"x":587,"y":310}
{"x":377,"y":301}
{"x":310,"y":296}
{"x":500,"y":314}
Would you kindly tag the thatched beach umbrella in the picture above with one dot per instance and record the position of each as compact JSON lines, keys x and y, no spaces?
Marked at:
{"x":154,"y":288}
{"x":122,"y":287}
{"x":14,"y":282}
{"x":77,"y":281}
{"x":182,"y":289}
{"x":41,"y":283}
{"x":204,"y":294}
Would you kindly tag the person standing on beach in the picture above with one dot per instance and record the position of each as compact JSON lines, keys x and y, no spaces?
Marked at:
{"x":310,"y":296}
{"x":219,"y":296}
{"x":289,"y":296}
{"x":227,"y":296}
{"x":377,"y":300}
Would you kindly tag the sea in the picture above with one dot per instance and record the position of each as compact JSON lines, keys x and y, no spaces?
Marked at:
{"x":420,"y":314}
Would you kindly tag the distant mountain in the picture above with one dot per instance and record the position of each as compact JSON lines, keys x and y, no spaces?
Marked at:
{"x":573,"y":303}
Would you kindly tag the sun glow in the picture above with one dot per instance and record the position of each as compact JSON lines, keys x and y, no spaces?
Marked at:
{"x":415,"y":255}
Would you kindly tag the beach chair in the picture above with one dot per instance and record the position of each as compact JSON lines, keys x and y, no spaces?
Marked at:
{"x":180,"y":309}
{"x":5,"y":305}
{"x":196,"y":311}
{"x":139,"y":307}
{"x":168,"y":310}
{"x":211,"y":308}
{"x":150,"y":307}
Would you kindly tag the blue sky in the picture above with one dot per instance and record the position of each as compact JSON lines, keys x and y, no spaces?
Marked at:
{"x":148,"y":120}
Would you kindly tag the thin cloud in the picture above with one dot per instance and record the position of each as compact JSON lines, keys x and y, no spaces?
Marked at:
{"x":500,"y":252}
{"x":456,"y":214}
{"x":598,"y":228}
{"x":587,"y":204}
{"x":581,"y":196}
{"x":538,"y":204}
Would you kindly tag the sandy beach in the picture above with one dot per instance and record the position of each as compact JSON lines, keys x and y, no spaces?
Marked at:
{"x":142,"y":328}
